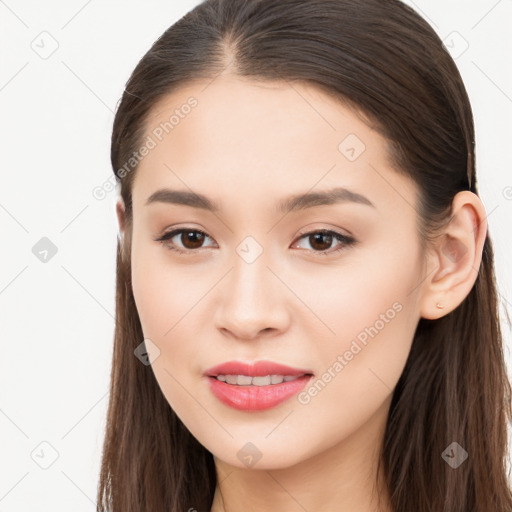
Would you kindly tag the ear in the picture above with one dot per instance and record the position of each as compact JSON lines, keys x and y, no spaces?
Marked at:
{"x":454,"y":261}
{"x":120,"y":210}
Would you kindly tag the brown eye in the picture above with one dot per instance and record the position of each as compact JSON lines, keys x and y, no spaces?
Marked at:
{"x":192,"y":239}
{"x":187,"y":240}
{"x":322,"y":240}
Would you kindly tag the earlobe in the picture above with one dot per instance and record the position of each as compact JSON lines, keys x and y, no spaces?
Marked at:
{"x":456,"y":258}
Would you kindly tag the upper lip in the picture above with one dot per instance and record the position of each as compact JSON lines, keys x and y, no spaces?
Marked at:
{"x":255,"y":369}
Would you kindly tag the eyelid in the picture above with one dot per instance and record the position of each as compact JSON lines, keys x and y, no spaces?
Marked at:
{"x":314,"y":227}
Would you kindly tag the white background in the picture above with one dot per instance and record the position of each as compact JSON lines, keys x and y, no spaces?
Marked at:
{"x":56,"y":119}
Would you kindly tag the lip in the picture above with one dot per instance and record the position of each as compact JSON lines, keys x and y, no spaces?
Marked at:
{"x":255,"y":398}
{"x":256,"y":369}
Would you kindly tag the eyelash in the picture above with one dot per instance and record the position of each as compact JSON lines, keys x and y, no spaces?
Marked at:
{"x":346,"y":241}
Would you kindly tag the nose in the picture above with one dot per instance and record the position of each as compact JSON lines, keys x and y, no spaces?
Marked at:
{"x":253,"y":301}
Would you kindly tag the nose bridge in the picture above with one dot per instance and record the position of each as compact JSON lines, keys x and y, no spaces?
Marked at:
{"x":251,"y":300}
{"x":251,"y":287}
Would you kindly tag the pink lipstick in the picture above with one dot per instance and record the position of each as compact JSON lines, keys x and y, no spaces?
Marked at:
{"x":255,"y":387}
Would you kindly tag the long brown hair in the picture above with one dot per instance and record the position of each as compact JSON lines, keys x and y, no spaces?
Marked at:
{"x":382,"y":58}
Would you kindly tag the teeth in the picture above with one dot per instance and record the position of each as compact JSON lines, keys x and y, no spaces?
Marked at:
{"x":231,"y":379}
{"x":246,"y":380}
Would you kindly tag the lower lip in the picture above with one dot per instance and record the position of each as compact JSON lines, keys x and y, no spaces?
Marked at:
{"x":256,"y":398}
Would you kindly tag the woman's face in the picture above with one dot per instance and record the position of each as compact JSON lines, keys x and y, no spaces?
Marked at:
{"x":256,"y":278}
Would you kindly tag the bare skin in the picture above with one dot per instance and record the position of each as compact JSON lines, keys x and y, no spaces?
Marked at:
{"x":247,"y":146}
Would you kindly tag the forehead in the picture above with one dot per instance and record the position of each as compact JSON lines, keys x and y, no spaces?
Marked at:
{"x":234,"y":137}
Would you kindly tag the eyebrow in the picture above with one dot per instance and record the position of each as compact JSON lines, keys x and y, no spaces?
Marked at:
{"x":289,"y":204}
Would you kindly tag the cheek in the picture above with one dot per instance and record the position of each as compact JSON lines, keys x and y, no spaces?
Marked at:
{"x":169,"y":300}
{"x":163,"y":301}
{"x":359,"y":367}
{"x":372,"y":316}
{"x":164,"y":292}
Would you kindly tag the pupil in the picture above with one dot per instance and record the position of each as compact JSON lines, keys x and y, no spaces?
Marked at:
{"x":194,"y":237}
{"x":318,"y":236}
